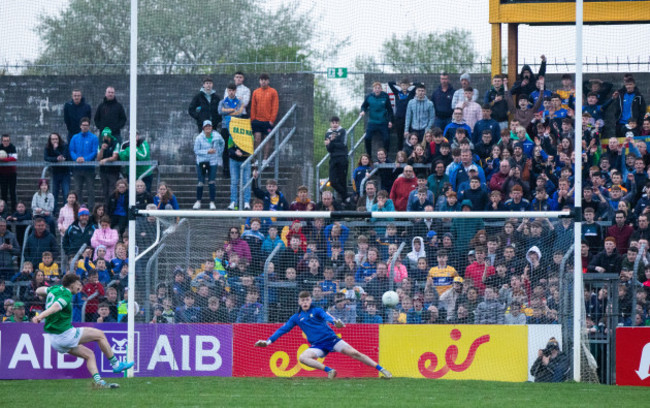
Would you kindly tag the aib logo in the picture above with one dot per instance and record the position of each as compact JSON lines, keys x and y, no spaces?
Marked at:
{"x":119,"y":344}
{"x":451,"y":355}
{"x":280,"y":360}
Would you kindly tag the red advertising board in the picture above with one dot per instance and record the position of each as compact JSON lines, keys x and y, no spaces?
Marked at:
{"x":633,"y":356}
{"x":281,"y":358}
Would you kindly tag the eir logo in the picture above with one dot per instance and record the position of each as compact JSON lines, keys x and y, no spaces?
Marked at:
{"x":119,"y":345}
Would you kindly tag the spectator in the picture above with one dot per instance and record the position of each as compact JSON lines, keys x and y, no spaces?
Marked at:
{"x":420,"y":115}
{"x":551,"y":365}
{"x":459,"y":95}
{"x":264,"y":111}
{"x":188,"y":313}
{"x":235,"y":245}
{"x":204,"y":105}
{"x":495,"y":98}
{"x":328,"y":203}
{"x":110,"y":114}
{"x":251,"y":311}
{"x":335,"y":142}
{"x":402,"y":187}
{"x":39,"y":241}
{"x":213,"y":313}
{"x":457,"y":121}
{"x":142,"y":153}
{"x":4,"y":211}
{"x":68,"y":213}
{"x":629,"y":104}
{"x":8,"y":173}
{"x":417,"y":314}
{"x":471,"y":109}
{"x":380,"y":117}
{"x":118,"y":206}
{"x":98,"y":212}
{"x":108,"y":153}
{"x":621,"y":232}
{"x":93,"y":286}
{"x":490,"y":311}
{"x":83,"y":148}
{"x":43,"y":204}
{"x":515,"y":316}
{"x":49,"y":267}
{"x":142,"y":197}
{"x":448,"y":299}
{"x":230,"y":106}
{"x":404,"y":93}
{"x":342,"y":310}
{"x":106,"y":236}
{"x":208,"y":148}
{"x":442,"y":276}
{"x":9,"y":248}
{"x":273,"y":199}
{"x":165,"y":199}
{"x":442,"y":98}
{"x":73,"y":111}
{"x":57,"y":151}
{"x":608,"y":260}
{"x":521,"y":112}
{"x":302,"y":201}
{"x":363,"y":169}
{"x":18,"y":315}
{"x":486,"y":124}
{"x":526,"y":80}
{"x":24,"y":216}
{"x":479,"y":270}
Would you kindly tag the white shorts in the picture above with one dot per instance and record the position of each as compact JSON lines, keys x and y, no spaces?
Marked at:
{"x":320,"y":353}
{"x":67,"y":340}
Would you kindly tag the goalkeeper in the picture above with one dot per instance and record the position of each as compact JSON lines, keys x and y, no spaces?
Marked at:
{"x":68,"y":339}
{"x":313,"y":321}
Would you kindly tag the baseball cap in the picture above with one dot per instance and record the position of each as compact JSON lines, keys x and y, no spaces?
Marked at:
{"x":206,"y":123}
{"x":431,"y":234}
{"x":19,"y":304}
{"x":458,"y":279}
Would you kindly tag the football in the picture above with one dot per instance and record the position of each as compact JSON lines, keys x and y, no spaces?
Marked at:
{"x":3,"y":154}
{"x":390,"y":298}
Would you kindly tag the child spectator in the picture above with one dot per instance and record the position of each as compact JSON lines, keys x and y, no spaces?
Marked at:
{"x":93,"y":286}
{"x":43,"y":204}
{"x":251,"y":311}
{"x":104,"y":314}
{"x":342,"y":310}
{"x":68,"y":213}
{"x":370,"y":314}
{"x":103,"y":274}
{"x":364,"y":167}
{"x":188,"y":313}
{"x":335,"y":143}
{"x":165,"y":199}
{"x":118,"y":204}
{"x":49,"y":267}
{"x":273,"y":199}
{"x":142,"y":196}
{"x":490,"y":311}
{"x":302,"y":201}
{"x":106,"y":236}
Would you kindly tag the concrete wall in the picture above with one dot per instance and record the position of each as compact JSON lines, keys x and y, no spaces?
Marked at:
{"x":32,"y":106}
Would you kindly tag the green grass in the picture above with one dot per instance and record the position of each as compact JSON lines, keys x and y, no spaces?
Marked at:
{"x":266,"y":392}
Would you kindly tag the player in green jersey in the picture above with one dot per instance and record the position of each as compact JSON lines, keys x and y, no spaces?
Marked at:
{"x":68,"y":339}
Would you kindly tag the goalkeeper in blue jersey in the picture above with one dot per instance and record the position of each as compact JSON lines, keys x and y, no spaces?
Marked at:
{"x":313,"y":321}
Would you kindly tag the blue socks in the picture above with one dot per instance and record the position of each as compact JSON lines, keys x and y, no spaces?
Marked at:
{"x":327,"y":369}
{"x":378,"y":367}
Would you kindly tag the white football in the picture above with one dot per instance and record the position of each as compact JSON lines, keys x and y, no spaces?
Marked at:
{"x":390,"y":298}
{"x":3,"y":154}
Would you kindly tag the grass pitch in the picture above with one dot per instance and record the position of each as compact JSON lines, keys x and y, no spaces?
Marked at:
{"x":276,"y":392}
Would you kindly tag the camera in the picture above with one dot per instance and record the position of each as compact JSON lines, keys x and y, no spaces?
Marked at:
{"x":546,"y":352}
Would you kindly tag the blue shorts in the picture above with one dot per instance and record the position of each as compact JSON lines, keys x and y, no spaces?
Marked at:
{"x":325,"y":347}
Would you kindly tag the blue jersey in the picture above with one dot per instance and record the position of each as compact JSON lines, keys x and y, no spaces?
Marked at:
{"x":312,"y":322}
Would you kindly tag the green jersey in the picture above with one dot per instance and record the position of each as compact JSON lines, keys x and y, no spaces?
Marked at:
{"x":60,"y":321}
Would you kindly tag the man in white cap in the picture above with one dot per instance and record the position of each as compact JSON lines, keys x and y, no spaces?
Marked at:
{"x":459,"y":95}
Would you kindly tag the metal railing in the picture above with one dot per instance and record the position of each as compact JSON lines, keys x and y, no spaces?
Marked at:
{"x":85,"y":304}
{"x":266,"y":281}
{"x":349,"y":137}
{"x":275,"y":155}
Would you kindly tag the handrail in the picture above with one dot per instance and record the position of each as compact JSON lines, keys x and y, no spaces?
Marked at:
{"x":76,"y":258}
{"x":565,"y":293}
{"x":154,"y":258}
{"x":22,"y":251}
{"x":273,"y":135}
{"x":83,"y":307}
{"x":266,"y":281}
{"x":349,"y":134}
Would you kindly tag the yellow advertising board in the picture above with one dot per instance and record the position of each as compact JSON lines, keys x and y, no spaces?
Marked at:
{"x":464,"y":352}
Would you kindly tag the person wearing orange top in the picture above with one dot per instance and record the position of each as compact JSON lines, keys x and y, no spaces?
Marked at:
{"x":264,"y":111}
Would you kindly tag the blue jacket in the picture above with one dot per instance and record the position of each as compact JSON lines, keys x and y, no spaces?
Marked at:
{"x":442,"y":102}
{"x":482,"y":125}
{"x":420,"y":114}
{"x":84,"y":145}
{"x":229,"y":104}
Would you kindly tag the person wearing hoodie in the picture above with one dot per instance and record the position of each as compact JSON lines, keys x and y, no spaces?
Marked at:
{"x":417,"y":252}
{"x":110,"y":114}
{"x":380,"y":117}
{"x":521,"y":112}
{"x":73,"y":111}
{"x":205,"y":105}
{"x":457,"y":121}
{"x":525,"y":84}
{"x":404,"y":93}
{"x":108,"y":152}
{"x":420,"y":114}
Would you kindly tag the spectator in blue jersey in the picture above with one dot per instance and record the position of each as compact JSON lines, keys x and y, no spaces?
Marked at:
{"x":420,"y":114}
{"x":83,"y":149}
{"x":73,"y":111}
{"x":540,"y":92}
{"x":229,"y":107}
{"x":380,"y":117}
{"x":404,"y":93}
{"x":441,"y":99}
{"x":165,"y":199}
{"x":188,"y":313}
{"x":460,"y":173}
{"x":456,"y":122}
{"x":517,"y":202}
{"x":629,"y":103}
{"x":486,"y":123}
{"x":251,"y":311}
{"x":273,"y":199}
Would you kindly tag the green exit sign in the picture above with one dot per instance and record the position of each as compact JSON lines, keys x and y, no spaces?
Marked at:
{"x":336,"y":73}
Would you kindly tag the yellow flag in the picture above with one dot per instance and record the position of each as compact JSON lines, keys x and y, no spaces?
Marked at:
{"x":242,"y":134}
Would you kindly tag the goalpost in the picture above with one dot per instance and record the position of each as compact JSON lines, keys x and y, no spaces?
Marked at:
{"x":186,"y":244}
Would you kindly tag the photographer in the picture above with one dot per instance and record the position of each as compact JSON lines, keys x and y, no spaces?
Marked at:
{"x":552,"y":365}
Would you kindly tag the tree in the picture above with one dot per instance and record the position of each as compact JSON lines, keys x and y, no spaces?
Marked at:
{"x":450,"y":51}
{"x":174,"y":36}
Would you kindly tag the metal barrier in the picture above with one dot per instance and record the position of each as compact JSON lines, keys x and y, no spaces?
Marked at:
{"x":83,"y":307}
{"x":275,"y":156}
{"x":349,"y":136}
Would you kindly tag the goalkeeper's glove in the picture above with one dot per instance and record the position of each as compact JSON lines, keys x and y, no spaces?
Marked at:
{"x":262,"y":343}
{"x":338,"y":323}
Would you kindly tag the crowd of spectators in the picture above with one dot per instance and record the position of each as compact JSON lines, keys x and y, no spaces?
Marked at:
{"x":507,"y":148}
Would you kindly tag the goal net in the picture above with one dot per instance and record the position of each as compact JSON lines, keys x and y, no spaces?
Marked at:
{"x":478,"y":298}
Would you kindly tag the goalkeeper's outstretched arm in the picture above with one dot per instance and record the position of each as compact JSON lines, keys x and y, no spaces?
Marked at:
{"x":286,"y":328}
